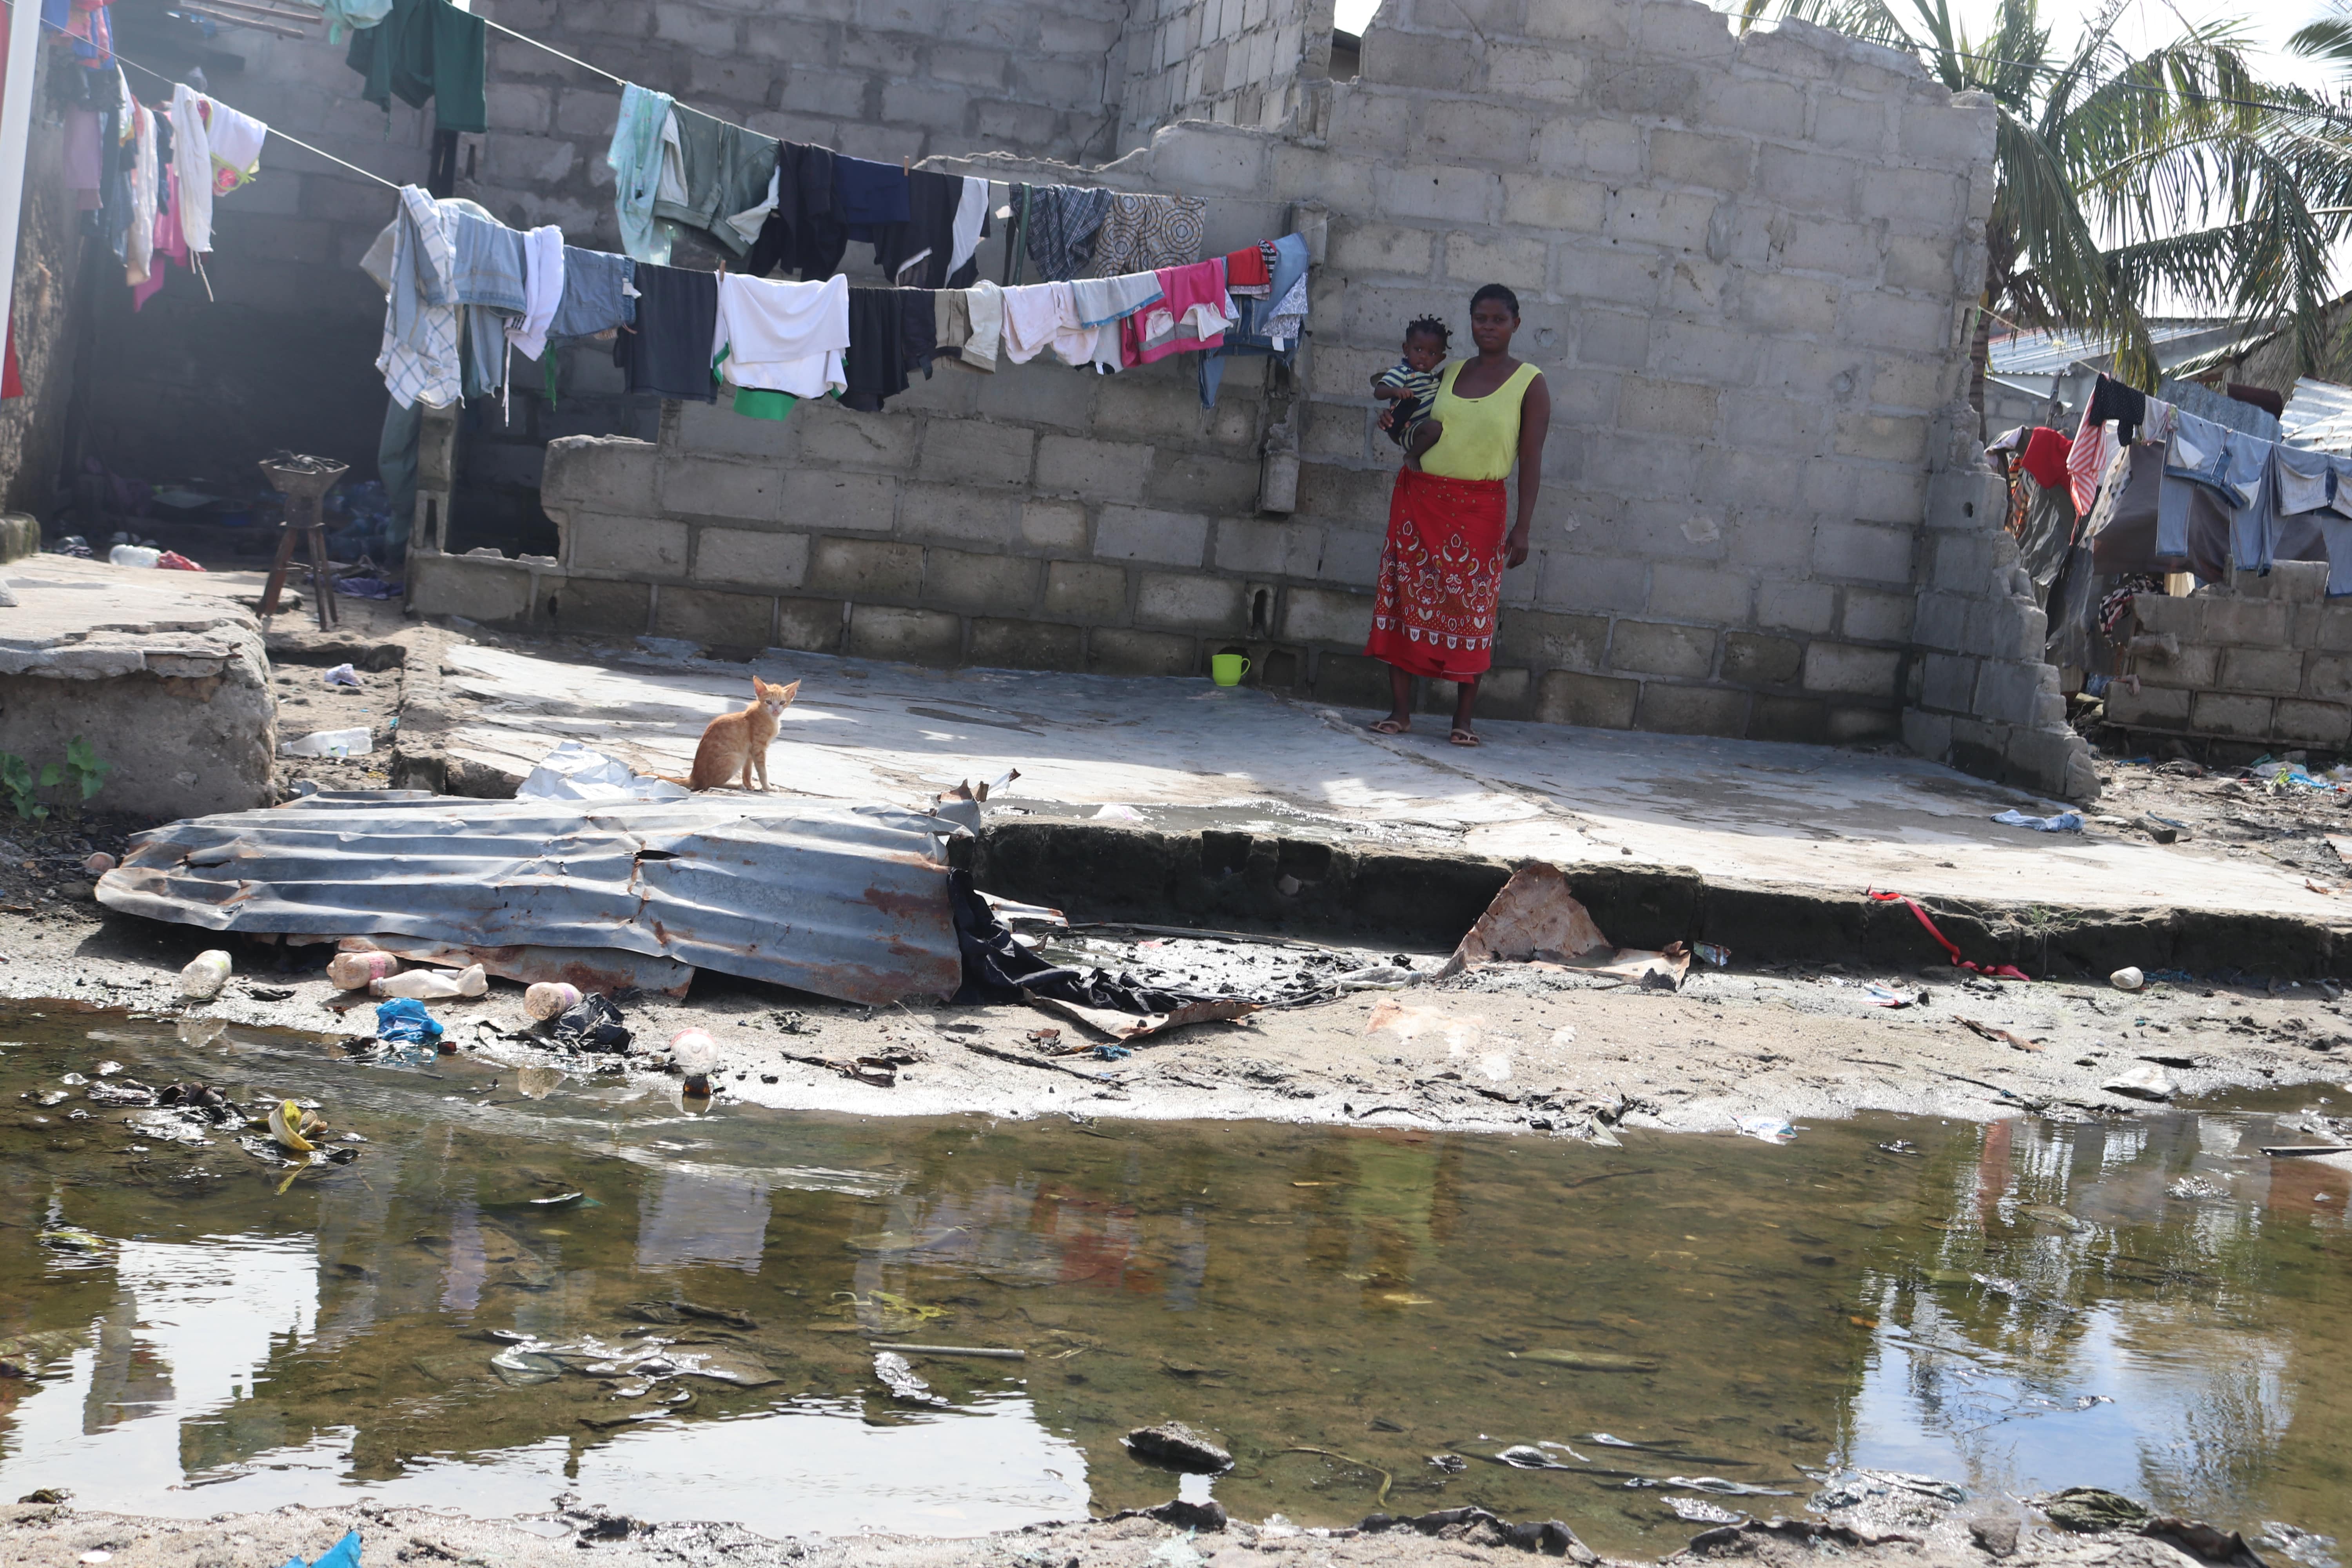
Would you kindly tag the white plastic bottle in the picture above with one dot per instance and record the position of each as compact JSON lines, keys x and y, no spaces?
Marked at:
{"x":205,"y":975}
{"x":432,"y":984}
{"x":548,"y":998}
{"x":353,"y":970}
{"x":696,"y":1053}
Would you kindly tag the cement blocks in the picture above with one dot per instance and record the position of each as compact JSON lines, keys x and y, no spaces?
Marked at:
{"x":169,"y":685}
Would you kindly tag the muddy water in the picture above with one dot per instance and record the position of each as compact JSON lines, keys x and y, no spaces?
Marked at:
{"x":2151,"y":1306}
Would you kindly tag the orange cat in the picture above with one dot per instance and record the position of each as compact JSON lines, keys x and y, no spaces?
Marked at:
{"x":734,"y":744}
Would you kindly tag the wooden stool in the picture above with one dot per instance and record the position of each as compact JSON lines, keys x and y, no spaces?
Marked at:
{"x":304,"y":483}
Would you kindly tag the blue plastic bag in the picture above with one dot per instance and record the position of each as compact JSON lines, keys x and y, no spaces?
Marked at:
{"x":403,"y":1022}
{"x":343,"y":1554}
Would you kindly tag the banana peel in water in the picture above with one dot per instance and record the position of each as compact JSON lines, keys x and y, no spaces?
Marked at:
{"x":295,"y":1128}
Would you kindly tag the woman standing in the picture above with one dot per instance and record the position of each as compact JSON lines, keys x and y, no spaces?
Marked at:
{"x":1442,"y":568}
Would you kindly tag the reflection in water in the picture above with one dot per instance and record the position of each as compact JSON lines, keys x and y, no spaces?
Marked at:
{"x":2149,"y":1306}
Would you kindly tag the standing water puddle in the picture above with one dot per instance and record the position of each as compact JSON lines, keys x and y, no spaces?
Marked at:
{"x":2152,"y":1307}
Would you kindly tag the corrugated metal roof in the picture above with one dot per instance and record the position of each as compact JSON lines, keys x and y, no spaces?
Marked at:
{"x":849,"y":902}
{"x":2319,"y":416}
{"x":2051,"y":353}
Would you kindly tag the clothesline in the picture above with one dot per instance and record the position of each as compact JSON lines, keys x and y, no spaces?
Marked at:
{"x":599,"y":70}
{"x":119,"y":57}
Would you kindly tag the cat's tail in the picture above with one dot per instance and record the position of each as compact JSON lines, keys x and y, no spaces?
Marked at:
{"x":669,"y":778}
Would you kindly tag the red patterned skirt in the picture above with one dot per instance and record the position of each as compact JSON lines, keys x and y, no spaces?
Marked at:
{"x":1441,"y":576}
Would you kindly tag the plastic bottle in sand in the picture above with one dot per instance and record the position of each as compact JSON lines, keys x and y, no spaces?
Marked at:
{"x":432,"y":984}
{"x":206,"y":973}
{"x":352,"y":971}
{"x":696,"y":1053}
{"x":548,"y":998}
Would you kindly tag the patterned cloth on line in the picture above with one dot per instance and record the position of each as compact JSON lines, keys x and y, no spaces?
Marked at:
{"x":1145,"y":233}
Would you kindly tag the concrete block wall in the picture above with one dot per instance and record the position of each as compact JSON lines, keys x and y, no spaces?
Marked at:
{"x":1980,"y":696}
{"x":1258,"y":63}
{"x":285,"y":356}
{"x":1743,"y":264}
{"x":2259,"y":663}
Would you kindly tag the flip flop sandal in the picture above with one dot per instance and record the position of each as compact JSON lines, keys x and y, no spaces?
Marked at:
{"x":1465,"y":738}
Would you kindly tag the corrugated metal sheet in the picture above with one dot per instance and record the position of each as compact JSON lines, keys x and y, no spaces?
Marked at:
{"x":2319,"y":416}
{"x":844,"y":903}
{"x":2052,"y":353}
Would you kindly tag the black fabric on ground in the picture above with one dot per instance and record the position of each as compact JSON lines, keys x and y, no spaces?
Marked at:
{"x":591,"y":1024}
{"x":667,"y":352}
{"x":876,"y":365}
{"x":998,"y":969}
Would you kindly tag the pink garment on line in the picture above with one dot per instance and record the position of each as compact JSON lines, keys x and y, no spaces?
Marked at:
{"x":168,"y":241}
{"x":1187,"y":295}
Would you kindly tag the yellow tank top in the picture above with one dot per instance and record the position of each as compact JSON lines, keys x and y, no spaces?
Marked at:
{"x":1482,"y":434}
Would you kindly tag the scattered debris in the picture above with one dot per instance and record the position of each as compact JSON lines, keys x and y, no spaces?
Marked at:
{"x":1769,"y":1129}
{"x":548,"y":999}
{"x":433,"y":984}
{"x":2128,"y":979}
{"x":2001,"y":1037}
{"x":1701,"y":1512}
{"x":2145,"y":1080}
{"x":591,"y":1024}
{"x":2063,"y":821}
{"x":201,"y":979}
{"x":404,"y":1022}
{"x":338,"y":743}
{"x":344,"y":675}
{"x":902,"y":1381}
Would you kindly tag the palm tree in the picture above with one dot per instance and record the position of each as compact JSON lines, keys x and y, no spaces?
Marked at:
{"x":2122,"y":178}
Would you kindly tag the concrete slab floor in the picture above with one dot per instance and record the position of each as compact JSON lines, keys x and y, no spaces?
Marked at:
{"x":1178,"y":753}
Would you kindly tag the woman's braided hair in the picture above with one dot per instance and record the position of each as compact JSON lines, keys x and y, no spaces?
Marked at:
{"x":1430,"y":325}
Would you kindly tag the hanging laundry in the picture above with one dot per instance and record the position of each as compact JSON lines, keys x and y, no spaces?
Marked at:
{"x":1194,"y":314}
{"x":918,"y":336}
{"x":427,"y":49}
{"x":1062,"y":222}
{"x":950,"y":325}
{"x":1255,"y":332}
{"x":667,"y":352}
{"x":1145,"y":233}
{"x":169,"y":244}
{"x":2094,"y":444}
{"x":192,"y":161}
{"x":971,"y":227}
{"x":1032,"y":313}
{"x":85,"y":160}
{"x":419,"y":357}
{"x":234,"y":141}
{"x":599,"y":294}
{"x":1248,"y":275}
{"x":714,"y":170}
{"x":543,"y":250}
{"x":779,"y":336}
{"x":145,"y":197}
{"x":1098,"y":306}
{"x":978,"y":313}
{"x":804,"y":234}
{"x":352,"y":14}
{"x":915,"y":253}
{"x":866,"y":194}
{"x":2044,"y":457}
{"x":876,"y":365}
{"x":634,"y":157}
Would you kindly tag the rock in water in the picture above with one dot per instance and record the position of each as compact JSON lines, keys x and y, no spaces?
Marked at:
{"x":2089,"y":1508}
{"x":1178,"y":1448}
